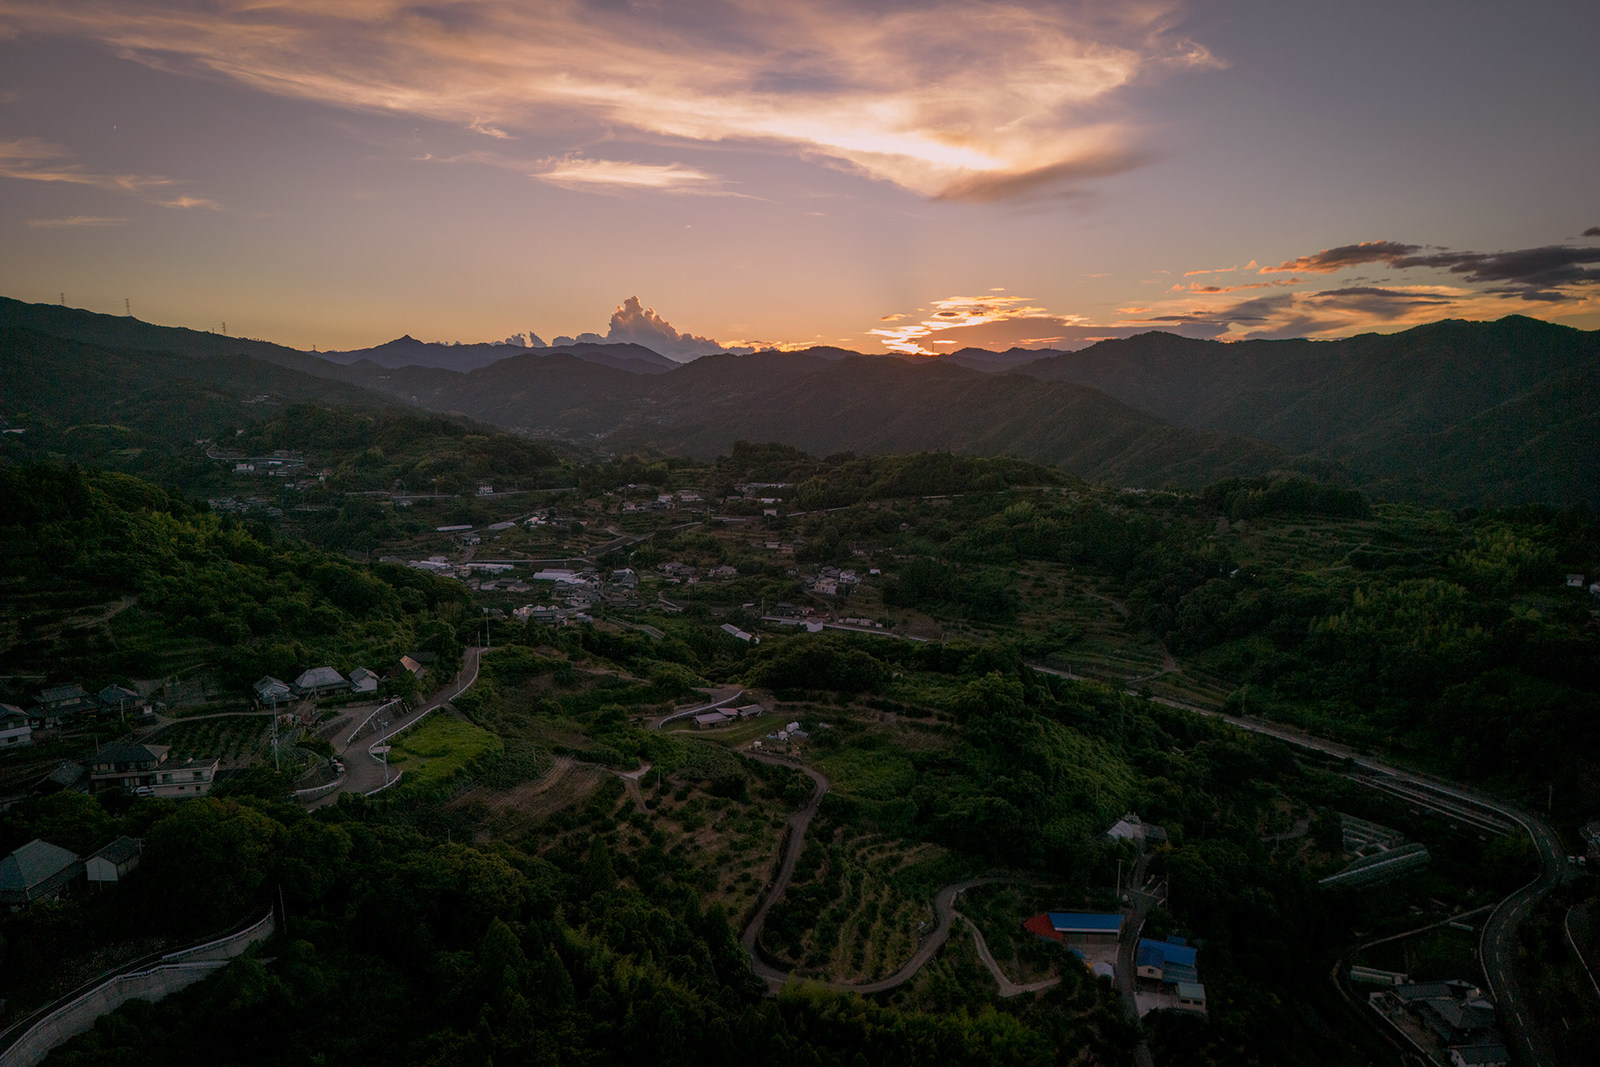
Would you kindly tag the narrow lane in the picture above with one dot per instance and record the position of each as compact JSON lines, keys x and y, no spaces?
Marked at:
{"x":362,"y":772}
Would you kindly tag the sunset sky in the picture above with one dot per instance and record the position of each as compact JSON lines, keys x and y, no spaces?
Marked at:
{"x":872,"y":174}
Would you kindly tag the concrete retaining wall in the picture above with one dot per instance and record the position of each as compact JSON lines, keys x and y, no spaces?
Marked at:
{"x":174,"y":971}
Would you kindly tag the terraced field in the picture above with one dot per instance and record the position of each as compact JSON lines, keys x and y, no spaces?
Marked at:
{"x":851,"y":914}
{"x":234,"y":739}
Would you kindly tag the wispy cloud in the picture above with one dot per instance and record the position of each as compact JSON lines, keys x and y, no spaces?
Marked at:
{"x":33,"y":159}
{"x":74,"y":221}
{"x":1344,"y":256}
{"x":950,"y":98}
{"x":1197,"y":287}
{"x":605,"y":175}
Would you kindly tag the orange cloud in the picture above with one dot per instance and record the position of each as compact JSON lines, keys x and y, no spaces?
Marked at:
{"x":967,"y":99}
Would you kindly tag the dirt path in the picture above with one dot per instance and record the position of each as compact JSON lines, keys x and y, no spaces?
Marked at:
{"x":943,"y":903}
{"x":794,"y":839}
{"x":1008,"y":988}
{"x":630,"y":782}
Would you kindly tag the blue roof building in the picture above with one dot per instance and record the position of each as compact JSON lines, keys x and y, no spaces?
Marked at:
{"x":1167,"y":962}
{"x":1081,"y":922}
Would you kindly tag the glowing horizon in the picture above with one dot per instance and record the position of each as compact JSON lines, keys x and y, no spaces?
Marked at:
{"x":814,"y":173}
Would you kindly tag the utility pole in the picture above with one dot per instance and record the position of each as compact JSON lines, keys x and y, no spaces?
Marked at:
{"x":127,"y":307}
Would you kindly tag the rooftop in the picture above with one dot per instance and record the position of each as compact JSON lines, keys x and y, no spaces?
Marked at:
{"x":1083,"y":922}
{"x":33,"y":863}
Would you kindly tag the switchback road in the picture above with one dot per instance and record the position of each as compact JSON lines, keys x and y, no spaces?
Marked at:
{"x":363,"y":773}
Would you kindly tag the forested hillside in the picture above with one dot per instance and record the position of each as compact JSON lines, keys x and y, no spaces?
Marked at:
{"x":150,"y":585}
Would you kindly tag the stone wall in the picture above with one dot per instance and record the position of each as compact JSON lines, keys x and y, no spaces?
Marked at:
{"x":149,"y":981}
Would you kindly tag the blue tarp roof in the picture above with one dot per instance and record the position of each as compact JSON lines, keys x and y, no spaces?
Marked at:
{"x":1085,"y":922}
{"x":1164,"y":954}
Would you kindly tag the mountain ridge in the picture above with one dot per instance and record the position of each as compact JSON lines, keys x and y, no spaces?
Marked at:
{"x":1455,"y":413}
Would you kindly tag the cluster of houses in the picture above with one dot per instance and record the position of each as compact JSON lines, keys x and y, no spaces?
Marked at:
{"x":280,"y":463}
{"x":65,"y":703}
{"x":42,"y":871}
{"x":683,"y":498}
{"x":272,"y":693}
{"x":831,"y":581}
{"x":677,"y":572}
{"x":145,"y":770}
{"x":723,"y":716}
{"x":1448,"y":1022}
{"x":1575,"y":581}
{"x":245,"y":506}
{"x":1165,"y":971}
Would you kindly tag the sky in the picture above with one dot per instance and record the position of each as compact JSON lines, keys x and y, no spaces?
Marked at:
{"x":880,"y":175}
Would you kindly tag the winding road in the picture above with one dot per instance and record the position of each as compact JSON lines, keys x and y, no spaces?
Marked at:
{"x":366,"y":773}
{"x":1497,"y":949}
{"x":943,"y":906}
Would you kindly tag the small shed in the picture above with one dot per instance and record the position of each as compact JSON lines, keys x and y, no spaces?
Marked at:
{"x":113,"y":862}
{"x":1191,"y":996}
{"x":363,"y":681}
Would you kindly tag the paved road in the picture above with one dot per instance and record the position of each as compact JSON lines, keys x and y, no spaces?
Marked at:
{"x":723,"y":695}
{"x":1498,"y":946}
{"x":363,"y":773}
{"x":1133,"y":918}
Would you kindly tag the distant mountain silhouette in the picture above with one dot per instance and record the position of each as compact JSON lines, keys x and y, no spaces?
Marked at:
{"x":1450,"y":412}
{"x":407,"y":351}
{"x":985,"y":360}
{"x":1456,"y":413}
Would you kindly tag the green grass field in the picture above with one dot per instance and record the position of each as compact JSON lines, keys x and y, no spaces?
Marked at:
{"x":434,"y":751}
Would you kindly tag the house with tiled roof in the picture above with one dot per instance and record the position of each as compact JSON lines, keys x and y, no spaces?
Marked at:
{"x":319,"y":681}
{"x":117,"y":699}
{"x":36,"y":871}
{"x":270,"y":692}
{"x":191,"y":778}
{"x":126,"y":766}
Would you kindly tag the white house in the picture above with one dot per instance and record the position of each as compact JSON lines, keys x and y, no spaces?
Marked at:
{"x":191,"y":778}
{"x":14,"y":727}
{"x":113,"y":862}
{"x":363,"y":681}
